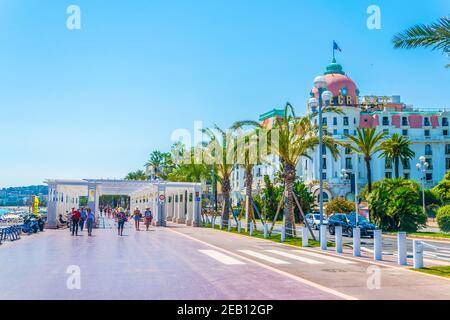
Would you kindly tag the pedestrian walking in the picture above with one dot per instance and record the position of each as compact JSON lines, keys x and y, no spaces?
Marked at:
{"x":83,"y":216}
{"x":90,"y":220}
{"x":75,"y":217}
{"x":137,"y":218}
{"x":148,"y":218}
{"x":121,"y":219}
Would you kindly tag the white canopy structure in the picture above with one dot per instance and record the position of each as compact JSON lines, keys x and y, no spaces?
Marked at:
{"x":169,"y":201}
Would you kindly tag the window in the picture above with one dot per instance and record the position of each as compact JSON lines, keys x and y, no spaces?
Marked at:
{"x":445,"y":133}
{"x":427,"y":133}
{"x":345,"y":121}
{"x":429,"y":176}
{"x":447,"y":149}
{"x":405,"y":132}
{"x":345,"y":131}
{"x":324,"y":150}
{"x":406,"y":164}
{"x":426,"y":122}
{"x":324,"y":163}
{"x":385,"y":121}
{"x":324,"y":176}
{"x":386,"y":131}
{"x":388,"y":164}
{"x":404,"y":121}
{"x":406,"y":176}
{"x":445,"y":122}
{"x":324,"y":121}
{"x":334,"y":121}
{"x":428,"y":151}
{"x":388,"y":175}
{"x":354,"y":120}
{"x":348,"y":150}
{"x":348,"y":163}
{"x":335,"y":132}
{"x":447,"y":163}
{"x":306,"y":165}
{"x":430,"y":164}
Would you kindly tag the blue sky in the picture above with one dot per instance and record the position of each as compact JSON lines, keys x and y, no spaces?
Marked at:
{"x":93,"y":103}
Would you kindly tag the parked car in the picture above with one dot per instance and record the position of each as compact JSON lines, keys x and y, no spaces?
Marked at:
{"x":314,"y":220}
{"x":348,"y":222}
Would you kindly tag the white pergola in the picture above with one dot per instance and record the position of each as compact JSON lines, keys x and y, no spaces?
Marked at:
{"x":181,"y":203}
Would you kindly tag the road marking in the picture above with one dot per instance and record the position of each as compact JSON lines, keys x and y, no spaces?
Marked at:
{"x":294,"y":257}
{"x":322,"y":256}
{"x":264,"y":257}
{"x":221,"y":257}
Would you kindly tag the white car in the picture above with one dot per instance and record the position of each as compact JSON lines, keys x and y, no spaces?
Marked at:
{"x":314,"y":220}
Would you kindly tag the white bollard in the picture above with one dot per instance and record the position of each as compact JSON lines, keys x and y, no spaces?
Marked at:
{"x":229,"y":225}
{"x":221,"y":223}
{"x":418,"y":254}
{"x":338,"y":237}
{"x":266,"y":230}
{"x":377,"y":245}
{"x":401,"y":247}
{"x":251,"y":229}
{"x":305,"y":237}
{"x":283,"y":234}
{"x":239,"y":226}
{"x":357,"y":242}
{"x":213,"y":222}
{"x":323,"y":237}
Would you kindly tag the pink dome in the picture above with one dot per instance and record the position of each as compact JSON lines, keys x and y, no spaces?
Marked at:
{"x":340,"y":85}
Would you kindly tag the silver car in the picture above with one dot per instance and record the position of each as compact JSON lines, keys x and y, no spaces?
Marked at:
{"x":313,"y":220}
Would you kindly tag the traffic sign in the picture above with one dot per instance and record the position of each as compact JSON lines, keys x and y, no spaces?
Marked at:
{"x":162,"y":198}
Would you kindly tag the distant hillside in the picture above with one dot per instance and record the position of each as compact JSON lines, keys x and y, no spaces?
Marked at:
{"x":19,"y":196}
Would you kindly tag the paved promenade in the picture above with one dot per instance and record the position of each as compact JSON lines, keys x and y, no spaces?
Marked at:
{"x":179,"y":262}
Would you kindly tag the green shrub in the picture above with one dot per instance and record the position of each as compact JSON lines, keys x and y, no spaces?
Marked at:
{"x":443,"y":218}
{"x":340,"y":205}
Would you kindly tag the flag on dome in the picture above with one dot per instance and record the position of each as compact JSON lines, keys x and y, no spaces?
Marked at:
{"x":336,"y":46}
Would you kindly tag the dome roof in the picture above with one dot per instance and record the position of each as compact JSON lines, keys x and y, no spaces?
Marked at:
{"x":340,"y":85}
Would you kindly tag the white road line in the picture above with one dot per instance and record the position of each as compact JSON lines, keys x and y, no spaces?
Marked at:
{"x":221,"y":257}
{"x":322,"y":256}
{"x":264,"y":257}
{"x":294,"y":257}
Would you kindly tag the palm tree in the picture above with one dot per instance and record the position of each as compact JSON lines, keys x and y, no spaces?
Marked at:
{"x":222,"y":150}
{"x":436,"y":36}
{"x":297,"y":136}
{"x":366,"y":144}
{"x":249,"y":142}
{"x":158,"y":161}
{"x":395,"y":149}
{"x":136,"y":175}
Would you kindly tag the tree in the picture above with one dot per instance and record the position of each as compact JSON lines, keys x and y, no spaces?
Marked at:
{"x":340,"y":205}
{"x":442,"y":190}
{"x":186,"y":168}
{"x":160,"y":162}
{"x":136,"y":175}
{"x":435,"y":36}
{"x":221,"y":150}
{"x":366,"y":144}
{"x":397,"y":149}
{"x":443,"y":218}
{"x":248,"y":145}
{"x":395,"y":205}
{"x":297,"y":136}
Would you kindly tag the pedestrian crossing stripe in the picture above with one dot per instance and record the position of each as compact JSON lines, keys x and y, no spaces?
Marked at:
{"x":295,"y":257}
{"x":264,"y":257}
{"x":322,"y":256}
{"x":218,"y":256}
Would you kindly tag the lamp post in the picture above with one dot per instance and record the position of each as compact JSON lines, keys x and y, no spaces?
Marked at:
{"x":422,"y":167}
{"x":324,"y":95}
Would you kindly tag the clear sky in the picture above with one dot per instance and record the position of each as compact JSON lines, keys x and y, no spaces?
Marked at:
{"x":93,"y":103}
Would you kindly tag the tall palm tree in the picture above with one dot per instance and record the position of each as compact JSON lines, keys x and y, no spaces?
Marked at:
{"x":436,"y":36}
{"x":249,"y":142}
{"x":297,"y":136}
{"x":221,"y":149}
{"x":366,"y":144}
{"x":158,"y":160}
{"x":395,"y":149}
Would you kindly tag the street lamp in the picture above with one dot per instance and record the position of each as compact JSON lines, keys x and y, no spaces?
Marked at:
{"x":422,"y":167}
{"x":325,"y":96}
